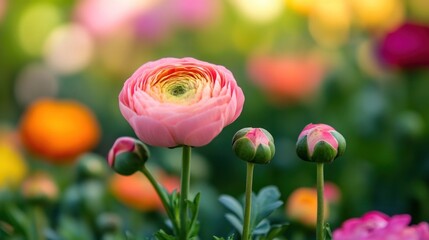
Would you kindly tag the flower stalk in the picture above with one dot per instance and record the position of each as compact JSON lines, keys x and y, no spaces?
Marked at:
{"x":184,"y":190}
{"x":320,"y":203}
{"x":247,"y":209}
{"x":162,"y":195}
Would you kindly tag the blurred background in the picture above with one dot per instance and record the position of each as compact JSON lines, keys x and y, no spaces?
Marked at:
{"x":361,"y":66}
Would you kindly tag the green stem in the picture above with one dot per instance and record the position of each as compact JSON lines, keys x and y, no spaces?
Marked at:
{"x":248,"y":204}
{"x":320,"y":203}
{"x":160,"y":190}
{"x":184,"y":191}
{"x":40,"y":222}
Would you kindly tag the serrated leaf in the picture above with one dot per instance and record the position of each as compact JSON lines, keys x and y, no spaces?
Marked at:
{"x":233,"y":205}
{"x":276,"y":230}
{"x":262,"y":228}
{"x":235,"y":222}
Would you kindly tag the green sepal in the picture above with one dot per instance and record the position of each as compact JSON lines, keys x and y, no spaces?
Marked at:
{"x":323,"y":153}
{"x":341,"y":142}
{"x":127,"y":163}
{"x":302,"y":149}
{"x":244,"y":149}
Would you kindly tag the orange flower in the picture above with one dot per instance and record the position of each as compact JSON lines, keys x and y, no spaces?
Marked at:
{"x":302,"y":206}
{"x":59,"y":130}
{"x":136,"y":191}
{"x":287,"y":78}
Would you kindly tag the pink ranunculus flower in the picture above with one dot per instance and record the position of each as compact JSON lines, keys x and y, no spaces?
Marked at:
{"x":375,"y":225}
{"x":172,"y":102}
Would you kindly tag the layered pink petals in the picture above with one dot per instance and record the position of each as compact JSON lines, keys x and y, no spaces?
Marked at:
{"x":316,"y":133}
{"x":378,"y":226}
{"x":172,"y":102}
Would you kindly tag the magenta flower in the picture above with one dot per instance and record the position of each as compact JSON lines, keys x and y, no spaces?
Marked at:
{"x":378,"y":226}
{"x":127,"y":155}
{"x":255,"y":145}
{"x":320,"y":143}
{"x":172,"y":102}
{"x":406,"y":47}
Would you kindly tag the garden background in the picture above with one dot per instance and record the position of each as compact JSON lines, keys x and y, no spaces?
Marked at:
{"x":361,"y":66}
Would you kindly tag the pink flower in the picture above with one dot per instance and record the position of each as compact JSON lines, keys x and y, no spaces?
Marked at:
{"x":320,"y":143}
{"x":172,"y":102}
{"x":375,"y":225}
{"x":406,"y":46}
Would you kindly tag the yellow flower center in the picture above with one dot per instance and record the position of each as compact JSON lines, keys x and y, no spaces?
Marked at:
{"x":179,"y":85}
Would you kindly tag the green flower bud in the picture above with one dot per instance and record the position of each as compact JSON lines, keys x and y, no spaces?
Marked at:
{"x":90,"y":166}
{"x":127,"y":155}
{"x":255,"y":145}
{"x":320,"y":143}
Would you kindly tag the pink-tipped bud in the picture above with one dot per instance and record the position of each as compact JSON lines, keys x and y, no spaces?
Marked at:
{"x":127,"y":155}
{"x":255,"y":145}
{"x":320,"y":143}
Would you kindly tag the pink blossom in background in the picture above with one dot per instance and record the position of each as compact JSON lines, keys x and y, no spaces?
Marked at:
{"x":375,"y":225}
{"x":2,"y":9}
{"x":287,"y":78}
{"x":406,"y":46}
{"x":103,"y":17}
{"x":155,"y":24}
{"x":196,"y":13}
{"x":171,"y":102}
{"x":331,"y":192}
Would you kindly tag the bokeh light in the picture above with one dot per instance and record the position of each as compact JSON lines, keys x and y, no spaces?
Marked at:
{"x":104,"y":17}
{"x":2,"y":9}
{"x":329,"y":23}
{"x":259,"y":11}
{"x":13,"y":167}
{"x":68,"y":49}
{"x":380,"y":15}
{"x":34,"y":25}
{"x":35,"y":81}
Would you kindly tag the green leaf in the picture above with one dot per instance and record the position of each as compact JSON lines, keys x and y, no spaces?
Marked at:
{"x":194,"y":225}
{"x":235,"y":222}
{"x":231,"y":237}
{"x":266,"y":202}
{"x":276,"y":230}
{"x":233,"y":205}
{"x":262,"y":228}
{"x":161,"y":235}
{"x":327,"y":231}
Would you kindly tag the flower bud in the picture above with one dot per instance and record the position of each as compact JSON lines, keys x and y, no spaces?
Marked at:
{"x":320,"y":143}
{"x":127,"y":155}
{"x":255,"y":145}
{"x":90,"y":166}
{"x":40,"y":188}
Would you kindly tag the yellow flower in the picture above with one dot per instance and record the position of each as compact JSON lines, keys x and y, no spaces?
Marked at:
{"x":12,"y":167}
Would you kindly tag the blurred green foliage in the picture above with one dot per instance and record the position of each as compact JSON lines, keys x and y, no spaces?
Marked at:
{"x":383,"y":115}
